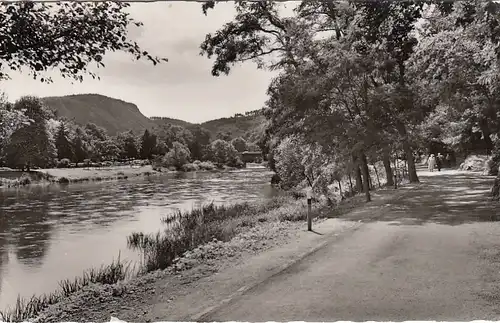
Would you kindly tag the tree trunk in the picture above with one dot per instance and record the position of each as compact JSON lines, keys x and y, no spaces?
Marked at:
{"x":366,"y":177}
{"x":387,"y":165}
{"x":340,"y":189}
{"x":357,"y":175}
{"x":487,"y":136}
{"x":495,"y":190}
{"x":376,"y":174}
{"x":412,"y":170}
{"x":350,"y":182}
{"x":366,"y":170}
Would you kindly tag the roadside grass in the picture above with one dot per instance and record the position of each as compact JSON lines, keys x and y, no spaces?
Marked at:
{"x":26,"y":309}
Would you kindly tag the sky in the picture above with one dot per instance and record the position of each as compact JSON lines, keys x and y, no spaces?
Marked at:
{"x":182,"y":88}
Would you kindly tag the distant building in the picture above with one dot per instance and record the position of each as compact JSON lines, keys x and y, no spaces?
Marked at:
{"x":251,"y":156}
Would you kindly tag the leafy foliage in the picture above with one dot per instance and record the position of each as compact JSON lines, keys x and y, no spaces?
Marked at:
{"x":178,"y":156}
{"x":62,"y":142}
{"x":223,"y":153}
{"x":66,"y":36}
{"x":239,"y":144}
{"x":30,"y":144}
{"x":148,"y":145}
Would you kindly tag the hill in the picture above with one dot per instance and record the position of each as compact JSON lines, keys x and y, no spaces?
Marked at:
{"x":112,"y":114}
{"x":117,"y":116}
{"x":174,"y":122}
{"x":247,"y":126}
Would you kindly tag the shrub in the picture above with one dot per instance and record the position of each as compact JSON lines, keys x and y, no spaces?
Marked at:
{"x":63,"y":180}
{"x":206,"y":165}
{"x":190,"y":167}
{"x":177,"y":156}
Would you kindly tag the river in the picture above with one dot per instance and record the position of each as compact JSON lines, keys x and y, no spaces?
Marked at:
{"x":55,"y":232}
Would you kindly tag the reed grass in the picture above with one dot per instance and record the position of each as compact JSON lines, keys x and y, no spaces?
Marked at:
{"x":28,"y":308}
{"x":184,"y":231}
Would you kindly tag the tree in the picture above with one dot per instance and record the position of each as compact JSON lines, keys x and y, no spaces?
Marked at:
{"x":223,"y":153}
{"x":378,"y":36}
{"x":256,"y":33}
{"x":466,"y":94}
{"x":81,"y":146}
{"x":239,"y":144}
{"x":161,"y":148}
{"x":67,"y":36}
{"x":62,"y":142}
{"x":106,"y":150}
{"x":148,"y":145}
{"x":288,"y":157}
{"x":253,"y":147}
{"x":30,"y":145}
{"x":201,"y":139}
{"x":170,"y":133}
{"x":95,"y":132}
{"x":223,"y":135}
{"x":177,"y":156}
{"x":129,"y":145}
{"x":10,"y":120}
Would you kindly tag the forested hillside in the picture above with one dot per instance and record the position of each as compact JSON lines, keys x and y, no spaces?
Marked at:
{"x":114,"y":115}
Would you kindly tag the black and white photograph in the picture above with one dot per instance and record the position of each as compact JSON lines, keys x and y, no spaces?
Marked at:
{"x":249,"y":161}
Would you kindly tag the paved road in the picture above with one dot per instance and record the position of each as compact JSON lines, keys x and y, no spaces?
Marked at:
{"x":431,"y":256}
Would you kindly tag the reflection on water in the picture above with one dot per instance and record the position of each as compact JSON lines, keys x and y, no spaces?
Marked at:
{"x":52,"y":233}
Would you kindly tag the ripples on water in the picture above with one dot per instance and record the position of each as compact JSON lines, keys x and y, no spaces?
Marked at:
{"x":52,"y":233}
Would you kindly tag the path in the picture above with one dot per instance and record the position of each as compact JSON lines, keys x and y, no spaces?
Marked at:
{"x":431,"y":255}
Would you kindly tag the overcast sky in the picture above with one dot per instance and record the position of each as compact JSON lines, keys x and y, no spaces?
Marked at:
{"x":183,"y":88}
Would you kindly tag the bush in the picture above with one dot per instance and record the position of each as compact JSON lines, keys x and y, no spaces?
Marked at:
{"x":24,"y":180}
{"x":206,"y":165}
{"x":64,"y":163}
{"x":177,"y":156}
{"x":63,"y":180}
{"x":475,"y":163}
{"x":190,"y":167}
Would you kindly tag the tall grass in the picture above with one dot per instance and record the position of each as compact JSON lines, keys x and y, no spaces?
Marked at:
{"x":184,"y":231}
{"x":26,"y":309}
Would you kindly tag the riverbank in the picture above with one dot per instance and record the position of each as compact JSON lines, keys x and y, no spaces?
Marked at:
{"x":254,"y":234}
{"x":12,"y":178}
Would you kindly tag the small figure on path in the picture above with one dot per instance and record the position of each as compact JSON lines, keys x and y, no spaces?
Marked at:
{"x":439,"y":161}
{"x":448,"y":160}
{"x":431,"y":162}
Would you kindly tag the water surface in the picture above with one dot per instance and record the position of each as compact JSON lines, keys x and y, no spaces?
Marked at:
{"x":55,"y":232}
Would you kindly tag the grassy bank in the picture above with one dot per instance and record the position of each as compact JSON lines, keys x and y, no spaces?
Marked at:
{"x":72,"y":175}
{"x":185,"y":231}
{"x":26,"y":309}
